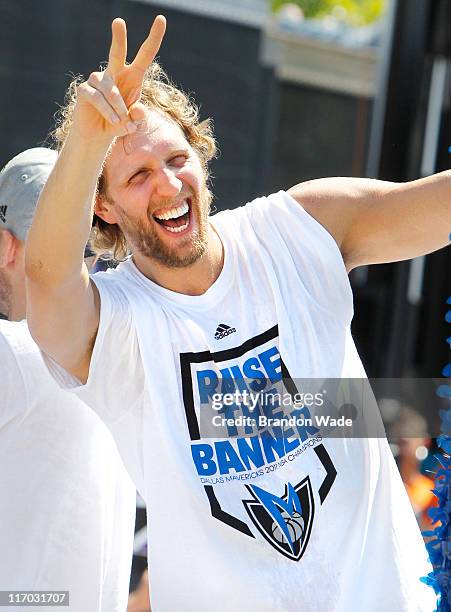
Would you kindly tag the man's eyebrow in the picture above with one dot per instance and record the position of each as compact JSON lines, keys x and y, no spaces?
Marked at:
{"x":131,"y":172}
{"x":179,"y":151}
{"x":175,"y":152}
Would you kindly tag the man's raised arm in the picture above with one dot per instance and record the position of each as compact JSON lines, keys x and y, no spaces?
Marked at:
{"x":376,"y":221}
{"x":63,"y":305}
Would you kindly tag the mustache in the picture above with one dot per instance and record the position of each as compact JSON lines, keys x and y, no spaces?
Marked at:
{"x":171,"y":202}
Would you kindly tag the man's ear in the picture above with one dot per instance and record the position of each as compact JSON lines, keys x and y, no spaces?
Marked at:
{"x":9,"y":246}
{"x":104,"y":209}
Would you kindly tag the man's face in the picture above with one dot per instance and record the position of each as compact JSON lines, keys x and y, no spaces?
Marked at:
{"x":156,"y":192}
{"x":12,"y":271}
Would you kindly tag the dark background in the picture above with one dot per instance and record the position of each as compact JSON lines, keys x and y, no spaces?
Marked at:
{"x":271,"y":133}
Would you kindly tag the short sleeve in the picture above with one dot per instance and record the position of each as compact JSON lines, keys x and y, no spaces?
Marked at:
{"x":293,"y":236}
{"x":115,"y":384}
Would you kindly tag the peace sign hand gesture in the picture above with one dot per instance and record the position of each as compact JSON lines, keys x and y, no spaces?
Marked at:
{"x":104,"y":100}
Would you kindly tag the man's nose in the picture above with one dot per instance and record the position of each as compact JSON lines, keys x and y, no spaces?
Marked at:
{"x":166,"y":183}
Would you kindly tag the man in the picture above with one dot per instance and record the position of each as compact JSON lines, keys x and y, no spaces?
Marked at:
{"x":250,"y":517}
{"x":66,"y":503}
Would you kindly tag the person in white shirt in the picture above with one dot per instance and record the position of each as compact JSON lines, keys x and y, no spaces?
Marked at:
{"x":66,"y":501}
{"x":245,"y":516}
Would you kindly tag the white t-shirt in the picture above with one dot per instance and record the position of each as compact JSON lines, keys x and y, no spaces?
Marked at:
{"x":255,"y":521}
{"x":67,"y":505}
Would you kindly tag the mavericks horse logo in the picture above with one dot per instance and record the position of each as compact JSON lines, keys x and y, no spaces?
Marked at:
{"x":285,"y":522}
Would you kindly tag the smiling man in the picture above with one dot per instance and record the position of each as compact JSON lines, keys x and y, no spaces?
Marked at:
{"x":255,"y":518}
{"x":172,"y":229}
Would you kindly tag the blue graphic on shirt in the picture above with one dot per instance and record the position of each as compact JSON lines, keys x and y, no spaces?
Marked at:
{"x":267,"y":366}
{"x":240,"y":452}
{"x":260,"y":444}
{"x":274,"y":505}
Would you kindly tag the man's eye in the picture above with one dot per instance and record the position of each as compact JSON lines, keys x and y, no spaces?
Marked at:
{"x":139,"y":175}
{"x":178,"y":160}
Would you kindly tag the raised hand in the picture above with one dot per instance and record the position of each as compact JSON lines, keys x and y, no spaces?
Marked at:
{"x":104,"y":100}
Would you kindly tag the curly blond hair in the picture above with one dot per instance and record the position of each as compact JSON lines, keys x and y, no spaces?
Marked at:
{"x":160,"y":93}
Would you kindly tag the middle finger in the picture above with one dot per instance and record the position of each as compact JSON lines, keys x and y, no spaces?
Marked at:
{"x":151,"y":45}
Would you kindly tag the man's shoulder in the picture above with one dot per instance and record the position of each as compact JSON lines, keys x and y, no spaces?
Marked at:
{"x":257,"y":201}
{"x":253,"y":211}
{"x":16,"y":337}
{"x":113,"y":280}
{"x":21,"y":365}
{"x":113,"y":286}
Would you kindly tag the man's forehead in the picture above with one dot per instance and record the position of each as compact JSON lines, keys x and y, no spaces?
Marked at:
{"x":155,"y":134}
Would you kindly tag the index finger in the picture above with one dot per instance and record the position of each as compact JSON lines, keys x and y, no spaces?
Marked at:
{"x":151,"y":45}
{"x":118,"y":50}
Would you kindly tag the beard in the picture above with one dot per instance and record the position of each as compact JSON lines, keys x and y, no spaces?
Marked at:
{"x":143,"y":236}
{"x":5,"y":295}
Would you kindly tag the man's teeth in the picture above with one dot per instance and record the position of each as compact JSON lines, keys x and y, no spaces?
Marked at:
{"x":175,"y":230}
{"x":174,"y":213}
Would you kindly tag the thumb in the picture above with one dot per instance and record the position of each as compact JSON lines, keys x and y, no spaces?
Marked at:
{"x":137,"y":112}
{"x":138,"y":116}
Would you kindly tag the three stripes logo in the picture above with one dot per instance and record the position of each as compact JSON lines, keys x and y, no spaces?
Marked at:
{"x":223,"y":330}
{"x":3,"y":213}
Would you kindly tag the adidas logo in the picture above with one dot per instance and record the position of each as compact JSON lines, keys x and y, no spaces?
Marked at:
{"x":223,"y":330}
{"x":3,"y":213}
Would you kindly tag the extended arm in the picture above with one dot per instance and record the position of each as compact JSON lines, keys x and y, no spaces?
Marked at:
{"x":63,"y":305}
{"x":377,"y":221}
{"x":63,"y":309}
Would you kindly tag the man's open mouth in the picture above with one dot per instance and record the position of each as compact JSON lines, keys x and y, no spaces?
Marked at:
{"x":175,"y":220}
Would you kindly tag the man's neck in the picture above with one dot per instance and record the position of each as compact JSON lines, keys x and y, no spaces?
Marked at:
{"x":16,"y":312}
{"x":12,"y":297}
{"x":193,"y":280}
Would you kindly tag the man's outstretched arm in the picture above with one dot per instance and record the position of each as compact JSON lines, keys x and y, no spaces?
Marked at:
{"x":376,"y":221}
{"x":63,"y":305}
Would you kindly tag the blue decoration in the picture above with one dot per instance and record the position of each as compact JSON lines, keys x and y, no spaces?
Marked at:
{"x":444,"y":442}
{"x":445,"y":415}
{"x":439,"y":546}
{"x":444,"y":391}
